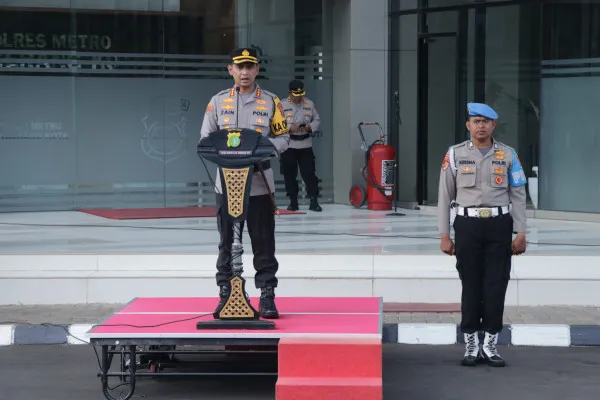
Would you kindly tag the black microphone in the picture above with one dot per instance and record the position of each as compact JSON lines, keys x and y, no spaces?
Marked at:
{"x":237,"y":106}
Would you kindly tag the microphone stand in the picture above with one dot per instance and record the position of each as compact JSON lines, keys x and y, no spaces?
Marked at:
{"x":237,"y":249}
{"x":395,"y":201}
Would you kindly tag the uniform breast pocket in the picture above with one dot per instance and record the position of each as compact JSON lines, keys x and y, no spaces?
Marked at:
{"x":227,"y":121}
{"x":289,"y":116}
{"x":308,"y":115}
{"x":466,"y":177}
{"x":260,"y":124}
{"x":499,"y":178}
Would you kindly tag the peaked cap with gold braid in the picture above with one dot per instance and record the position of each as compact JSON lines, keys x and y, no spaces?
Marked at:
{"x":243,"y":55}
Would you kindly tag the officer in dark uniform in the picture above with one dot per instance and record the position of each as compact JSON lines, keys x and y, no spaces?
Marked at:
{"x":303,"y":119}
{"x":253,"y":108}
{"x":484,"y":177}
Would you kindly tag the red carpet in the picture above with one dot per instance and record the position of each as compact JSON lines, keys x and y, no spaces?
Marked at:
{"x":153,"y":213}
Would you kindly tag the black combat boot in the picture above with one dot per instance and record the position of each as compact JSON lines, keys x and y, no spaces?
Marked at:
{"x":489,"y":352}
{"x":314,"y":205}
{"x":293,"y":204}
{"x":472,"y":350}
{"x":223,"y":296}
{"x":267,"y":308}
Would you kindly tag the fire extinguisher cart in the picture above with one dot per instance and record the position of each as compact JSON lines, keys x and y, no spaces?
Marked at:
{"x":378,"y":172}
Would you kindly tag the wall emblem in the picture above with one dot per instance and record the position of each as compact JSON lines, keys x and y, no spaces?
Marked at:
{"x":165,"y":139}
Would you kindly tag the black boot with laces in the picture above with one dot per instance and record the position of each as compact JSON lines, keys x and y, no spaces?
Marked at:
{"x":489,"y":351}
{"x":472,"y":350}
{"x":223,"y":297}
{"x":267,"y":308}
{"x":314,"y":205}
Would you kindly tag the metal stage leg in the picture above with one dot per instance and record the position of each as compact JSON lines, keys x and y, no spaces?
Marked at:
{"x":127,"y":367}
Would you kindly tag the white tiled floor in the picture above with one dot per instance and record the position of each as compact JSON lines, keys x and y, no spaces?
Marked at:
{"x":337,"y":230}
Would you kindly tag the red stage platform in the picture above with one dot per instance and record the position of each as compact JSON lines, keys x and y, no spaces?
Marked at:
{"x":342,"y":335}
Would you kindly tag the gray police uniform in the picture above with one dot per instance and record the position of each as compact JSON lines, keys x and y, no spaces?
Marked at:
{"x":262,"y":111}
{"x":258,"y":110}
{"x":488,"y":187}
{"x":473,"y":180}
{"x":301,"y":113}
{"x":300,"y":152}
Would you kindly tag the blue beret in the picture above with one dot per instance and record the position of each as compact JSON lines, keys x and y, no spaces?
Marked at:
{"x":481,"y":110}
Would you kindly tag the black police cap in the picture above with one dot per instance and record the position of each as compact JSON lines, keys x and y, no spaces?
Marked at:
{"x":244,"y":55}
{"x":297,"y":88}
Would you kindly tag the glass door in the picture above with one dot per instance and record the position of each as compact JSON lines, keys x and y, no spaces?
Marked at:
{"x":445,"y":53}
{"x":442,"y":94}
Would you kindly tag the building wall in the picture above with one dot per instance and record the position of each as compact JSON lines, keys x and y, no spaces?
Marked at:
{"x":360,"y":62}
{"x":106,"y":97}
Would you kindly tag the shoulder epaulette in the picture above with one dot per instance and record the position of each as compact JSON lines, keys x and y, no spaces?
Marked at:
{"x":459,"y":145}
{"x":270,"y":94}
{"x":505,"y":146}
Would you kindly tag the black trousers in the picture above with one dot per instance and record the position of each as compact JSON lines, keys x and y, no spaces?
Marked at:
{"x":289,"y":162}
{"x":260,"y":221}
{"x":483,"y":254}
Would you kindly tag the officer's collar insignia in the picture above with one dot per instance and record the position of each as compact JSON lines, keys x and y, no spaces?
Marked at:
{"x":233,"y":138}
{"x":258,"y":92}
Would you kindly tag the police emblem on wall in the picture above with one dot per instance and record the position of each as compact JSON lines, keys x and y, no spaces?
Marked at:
{"x":164,"y":137}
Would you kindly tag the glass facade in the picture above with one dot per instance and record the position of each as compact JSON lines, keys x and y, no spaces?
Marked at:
{"x":535,"y":62}
{"x":103,"y":100}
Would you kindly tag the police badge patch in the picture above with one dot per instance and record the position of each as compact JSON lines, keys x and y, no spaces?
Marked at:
{"x":233,"y":138}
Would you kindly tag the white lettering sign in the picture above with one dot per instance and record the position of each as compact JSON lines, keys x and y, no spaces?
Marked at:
{"x":41,"y":41}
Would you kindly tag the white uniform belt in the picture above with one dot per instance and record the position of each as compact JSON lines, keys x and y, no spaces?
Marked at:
{"x":481,"y":212}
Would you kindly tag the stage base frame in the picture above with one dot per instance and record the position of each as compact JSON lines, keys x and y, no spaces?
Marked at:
{"x":150,"y":337}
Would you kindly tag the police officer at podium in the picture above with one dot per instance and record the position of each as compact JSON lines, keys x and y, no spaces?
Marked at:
{"x":247,"y":105}
{"x":303,"y":120}
{"x":484,"y":177}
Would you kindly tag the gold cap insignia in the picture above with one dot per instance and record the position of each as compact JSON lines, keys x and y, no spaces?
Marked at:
{"x":245,"y":52}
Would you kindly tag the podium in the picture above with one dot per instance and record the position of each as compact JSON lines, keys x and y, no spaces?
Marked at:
{"x":236,"y":152}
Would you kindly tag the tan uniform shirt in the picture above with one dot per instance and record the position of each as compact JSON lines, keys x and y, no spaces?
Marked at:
{"x":301,"y":113}
{"x":475,"y":180}
{"x":261,"y":111}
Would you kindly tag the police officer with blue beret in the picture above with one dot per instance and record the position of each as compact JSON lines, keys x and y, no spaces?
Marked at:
{"x":485,"y":179}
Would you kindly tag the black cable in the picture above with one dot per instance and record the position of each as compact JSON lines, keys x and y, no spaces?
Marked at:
{"x":46,"y":324}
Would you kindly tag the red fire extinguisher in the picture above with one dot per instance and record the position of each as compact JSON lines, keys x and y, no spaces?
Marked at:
{"x":378,"y":172}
